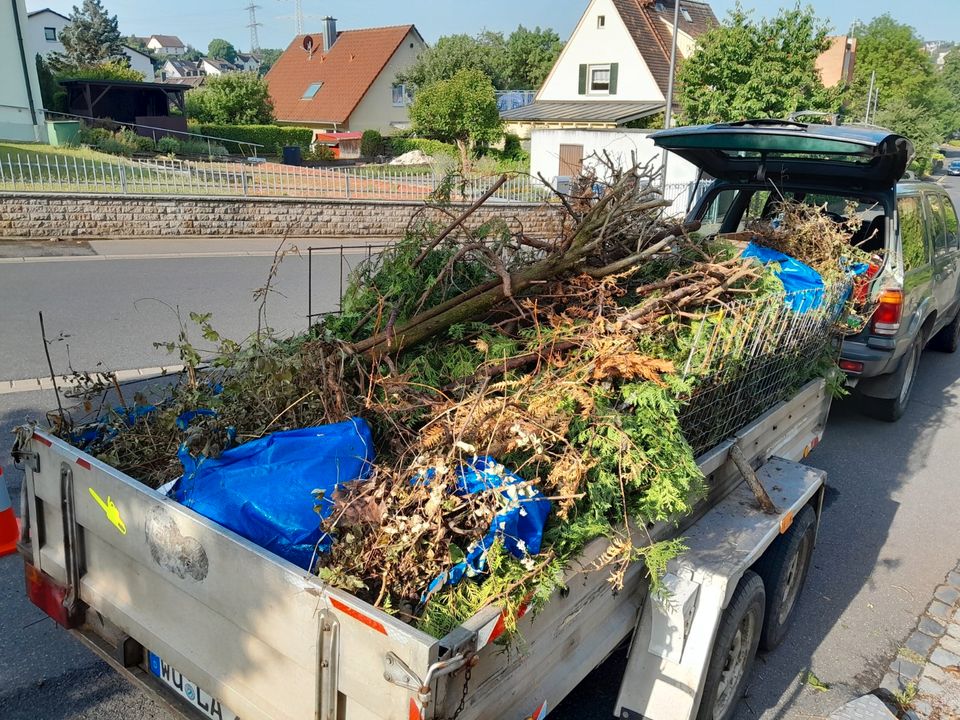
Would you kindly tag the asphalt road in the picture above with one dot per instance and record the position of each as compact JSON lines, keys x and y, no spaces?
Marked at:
{"x":889,"y":534}
{"x":110,"y":312}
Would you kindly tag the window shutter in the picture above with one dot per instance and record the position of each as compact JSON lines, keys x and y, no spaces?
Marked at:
{"x":583,"y":80}
{"x":614,"y":68}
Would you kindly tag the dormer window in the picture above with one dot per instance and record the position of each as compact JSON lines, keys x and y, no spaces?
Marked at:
{"x":686,"y":15}
{"x":601,"y":22}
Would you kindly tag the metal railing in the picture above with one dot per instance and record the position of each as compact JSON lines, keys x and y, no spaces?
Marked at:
{"x":159,"y":176}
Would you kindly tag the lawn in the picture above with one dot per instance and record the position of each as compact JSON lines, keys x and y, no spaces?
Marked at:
{"x":43,"y":150}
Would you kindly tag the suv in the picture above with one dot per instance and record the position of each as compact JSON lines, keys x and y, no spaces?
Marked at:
{"x":911,"y":226}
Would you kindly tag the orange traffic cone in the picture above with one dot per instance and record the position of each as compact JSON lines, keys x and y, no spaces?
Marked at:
{"x":9,"y":526}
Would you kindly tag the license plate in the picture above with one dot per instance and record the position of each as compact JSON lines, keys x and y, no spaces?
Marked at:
{"x":206,"y":704}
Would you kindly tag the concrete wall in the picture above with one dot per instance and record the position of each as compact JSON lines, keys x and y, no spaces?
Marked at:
{"x":376,"y":110}
{"x":618,"y":143}
{"x":56,"y":215}
{"x":16,"y":122}
{"x":591,"y":45}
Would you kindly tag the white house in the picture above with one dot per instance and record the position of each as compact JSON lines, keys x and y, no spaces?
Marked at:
{"x":247,"y":62}
{"x":43,"y":38}
{"x":613,"y":71}
{"x":21,"y":111}
{"x":166,"y":45}
{"x":215,"y":66}
{"x":175,"y":68}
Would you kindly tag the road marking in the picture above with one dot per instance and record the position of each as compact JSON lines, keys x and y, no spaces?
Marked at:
{"x":9,"y":387}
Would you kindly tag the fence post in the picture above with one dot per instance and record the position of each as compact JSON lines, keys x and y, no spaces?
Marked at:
{"x":243,"y":180}
{"x":346,"y":176}
{"x":123,"y":180}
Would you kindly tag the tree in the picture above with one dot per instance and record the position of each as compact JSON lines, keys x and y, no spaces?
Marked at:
{"x":462,"y":109}
{"x":530,"y":55}
{"x":453,"y":53}
{"x":112,"y":70}
{"x":240,"y":98}
{"x":912,"y":98}
{"x":951,"y":73}
{"x":222,"y":50}
{"x":191,"y":54}
{"x":750,"y":69}
{"x":267,"y":57}
{"x":91,"y":37}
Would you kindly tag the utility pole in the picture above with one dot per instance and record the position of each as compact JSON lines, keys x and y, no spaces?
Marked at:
{"x":873,"y":78}
{"x":253,"y":25}
{"x":668,"y":112}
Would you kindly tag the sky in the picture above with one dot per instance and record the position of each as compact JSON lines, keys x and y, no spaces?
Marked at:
{"x":198,"y":22}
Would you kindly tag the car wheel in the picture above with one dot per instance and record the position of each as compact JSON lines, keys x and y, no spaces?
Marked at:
{"x":734,"y":650}
{"x":892,"y":409}
{"x":783,"y":569}
{"x":948,"y":339}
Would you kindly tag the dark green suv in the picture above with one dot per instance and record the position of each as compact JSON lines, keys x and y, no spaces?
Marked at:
{"x":911,"y":226}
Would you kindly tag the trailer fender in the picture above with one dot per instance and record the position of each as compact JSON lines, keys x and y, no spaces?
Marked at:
{"x":674,"y":637}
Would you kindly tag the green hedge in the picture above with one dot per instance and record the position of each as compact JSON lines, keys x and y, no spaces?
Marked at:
{"x":271,"y":137}
{"x":401,"y":145}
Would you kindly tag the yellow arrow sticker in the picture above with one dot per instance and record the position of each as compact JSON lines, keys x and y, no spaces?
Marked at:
{"x":112,"y":511}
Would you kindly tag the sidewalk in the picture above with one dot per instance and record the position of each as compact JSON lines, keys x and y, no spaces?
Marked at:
{"x":925,"y":676}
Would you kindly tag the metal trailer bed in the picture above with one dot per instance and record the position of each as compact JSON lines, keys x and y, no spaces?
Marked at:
{"x":148,"y":579}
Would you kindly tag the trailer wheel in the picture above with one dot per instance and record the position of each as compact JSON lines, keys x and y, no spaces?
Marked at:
{"x":734,"y":650}
{"x":783,"y":569}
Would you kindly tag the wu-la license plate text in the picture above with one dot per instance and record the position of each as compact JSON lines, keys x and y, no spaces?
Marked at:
{"x":208,"y":705}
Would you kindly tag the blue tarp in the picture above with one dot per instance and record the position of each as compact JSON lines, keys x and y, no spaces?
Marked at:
{"x":803,"y":285}
{"x":519,"y":524}
{"x":264,"y":490}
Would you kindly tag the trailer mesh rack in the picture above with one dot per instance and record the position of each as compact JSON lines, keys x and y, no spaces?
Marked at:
{"x":755,"y":354}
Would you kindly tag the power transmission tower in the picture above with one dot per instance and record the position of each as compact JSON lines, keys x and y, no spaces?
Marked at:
{"x":253,"y":25}
{"x":297,"y":15}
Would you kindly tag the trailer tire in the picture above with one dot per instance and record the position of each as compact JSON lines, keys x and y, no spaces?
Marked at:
{"x":734,"y":650}
{"x":783,"y":569}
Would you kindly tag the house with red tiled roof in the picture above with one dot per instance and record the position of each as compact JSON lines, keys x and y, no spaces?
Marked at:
{"x":612,"y":74}
{"x":345,"y":80}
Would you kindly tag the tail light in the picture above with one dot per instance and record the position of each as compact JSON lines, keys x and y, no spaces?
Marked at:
{"x":851,"y":366}
{"x":886,"y":319}
{"x":48,"y":595}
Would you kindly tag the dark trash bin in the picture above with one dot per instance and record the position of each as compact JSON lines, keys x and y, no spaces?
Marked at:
{"x":291,"y":155}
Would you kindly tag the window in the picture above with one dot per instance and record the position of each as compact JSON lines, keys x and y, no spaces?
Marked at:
{"x":312,"y":90}
{"x":935,"y":224}
{"x":912,"y":236}
{"x":600,"y":79}
{"x":601,"y":22}
{"x":50,"y":34}
{"x":953,"y":231}
{"x":402,"y":96}
{"x":686,"y":15}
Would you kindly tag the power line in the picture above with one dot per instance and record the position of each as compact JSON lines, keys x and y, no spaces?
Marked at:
{"x":253,"y":25}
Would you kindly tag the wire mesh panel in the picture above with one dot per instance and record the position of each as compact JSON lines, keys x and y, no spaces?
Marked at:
{"x":747,"y":357}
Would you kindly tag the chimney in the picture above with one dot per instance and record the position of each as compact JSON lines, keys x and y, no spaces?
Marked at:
{"x":329,"y":33}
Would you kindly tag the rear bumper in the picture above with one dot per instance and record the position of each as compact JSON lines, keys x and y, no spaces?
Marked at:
{"x":876,"y":361}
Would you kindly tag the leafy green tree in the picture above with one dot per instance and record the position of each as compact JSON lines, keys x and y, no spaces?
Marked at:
{"x":912,"y":97}
{"x":462,"y":110}
{"x":112,"y":70}
{"x":192,"y":54}
{"x":222,"y":50}
{"x":530,"y":55}
{"x":240,"y":98}
{"x":53,"y":95}
{"x":268,"y":56}
{"x":746,"y":68}
{"x":91,"y":37}
{"x":453,"y":53}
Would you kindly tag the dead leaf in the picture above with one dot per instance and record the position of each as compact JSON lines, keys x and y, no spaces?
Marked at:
{"x":630,"y":366}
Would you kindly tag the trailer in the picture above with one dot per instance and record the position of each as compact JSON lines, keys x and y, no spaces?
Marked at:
{"x":213,"y":626}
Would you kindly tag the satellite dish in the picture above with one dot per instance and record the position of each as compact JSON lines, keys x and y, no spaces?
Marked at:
{"x":308,"y":44}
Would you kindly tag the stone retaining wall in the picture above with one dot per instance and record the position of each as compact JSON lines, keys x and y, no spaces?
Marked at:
{"x":68,"y":215}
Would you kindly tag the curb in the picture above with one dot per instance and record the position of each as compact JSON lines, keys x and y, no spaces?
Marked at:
{"x":930,"y":656}
{"x":9,"y":387}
